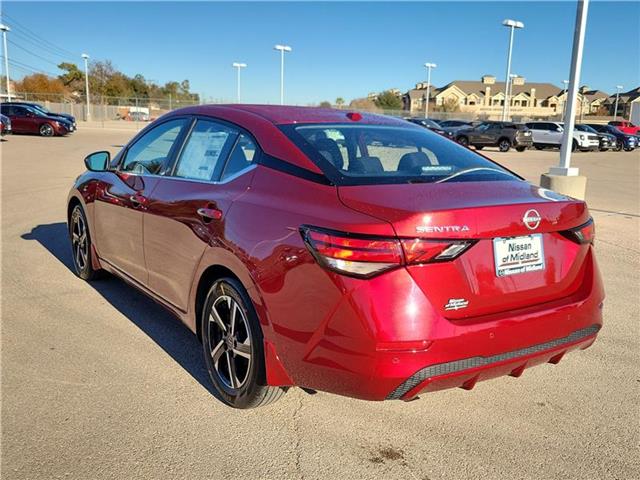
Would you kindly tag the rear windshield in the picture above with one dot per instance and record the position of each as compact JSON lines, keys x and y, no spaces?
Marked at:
{"x":372,"y":154}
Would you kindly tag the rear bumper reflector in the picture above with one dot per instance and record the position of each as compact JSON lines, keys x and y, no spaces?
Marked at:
{"x":475,"y":362}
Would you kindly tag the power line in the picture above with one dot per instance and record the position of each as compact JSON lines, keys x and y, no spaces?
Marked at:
{"x":33,"y":53}
{"x":33,"y":43}
{"x":31,"y":68}
{"x":38,"y":37}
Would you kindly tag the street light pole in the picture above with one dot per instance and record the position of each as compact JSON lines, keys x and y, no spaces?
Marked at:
{"x":6,"y":29}
{"x":282,"y":49}
{"x":564,"y":104}
{"x":615,"y":110}
{"x":86,"y":82}
{"x":429,"y":66}
{"x":512,"y":24}
{"x":564,"y":168}
{"x":239,"y":66}
{"x":509,"y":91}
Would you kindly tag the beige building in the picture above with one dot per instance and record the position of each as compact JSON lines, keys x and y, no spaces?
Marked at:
{"x":486,"y":97}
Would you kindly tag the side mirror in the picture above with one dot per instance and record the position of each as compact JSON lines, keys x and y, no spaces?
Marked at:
{"x":97,"y":161}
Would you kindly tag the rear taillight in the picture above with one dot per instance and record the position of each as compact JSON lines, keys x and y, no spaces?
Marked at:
{"x":583,"y":234}
{"x":365,"y":256}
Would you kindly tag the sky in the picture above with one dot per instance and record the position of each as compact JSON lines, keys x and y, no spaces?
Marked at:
{"x":339,"y":49}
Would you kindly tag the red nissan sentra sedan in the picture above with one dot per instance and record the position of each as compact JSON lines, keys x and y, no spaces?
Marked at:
{"x":350,"y":253}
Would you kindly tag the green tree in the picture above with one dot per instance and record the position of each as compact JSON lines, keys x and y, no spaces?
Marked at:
{"x":73,"y":78}
{"x":325,"y":104}
{"x":339,"y":102}
{"x":388,"y":100}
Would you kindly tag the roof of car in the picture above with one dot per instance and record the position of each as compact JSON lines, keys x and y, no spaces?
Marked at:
{"x":282,"y":114}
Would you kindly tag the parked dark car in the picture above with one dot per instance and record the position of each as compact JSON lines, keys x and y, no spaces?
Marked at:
{"x":503,"y":135}
{"x":427,"y":123}
{"x":25,"y":119}
{"x":624,"y":141}
{"x":36,"y":106}
{"x":5,"y":125}
{"x":607,"y":141}
{"x":451,"y":127}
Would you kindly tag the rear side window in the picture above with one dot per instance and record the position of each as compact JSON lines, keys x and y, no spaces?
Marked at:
{"x":208,"y":145}
{"x":371,"y":154}
{"x":242,"y":156}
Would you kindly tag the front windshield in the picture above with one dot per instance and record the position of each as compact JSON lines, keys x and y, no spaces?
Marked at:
{"x":374,"y":154}
{"x":585,"y":128}
{"x":39,"y":109}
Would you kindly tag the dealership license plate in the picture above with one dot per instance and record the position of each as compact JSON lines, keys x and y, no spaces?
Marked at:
{"x":518,"y":254}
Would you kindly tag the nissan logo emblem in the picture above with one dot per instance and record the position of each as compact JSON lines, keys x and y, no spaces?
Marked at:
{"x":531,"y":219}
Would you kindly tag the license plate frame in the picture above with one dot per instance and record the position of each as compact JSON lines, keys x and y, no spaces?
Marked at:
{"x":517,"y":255}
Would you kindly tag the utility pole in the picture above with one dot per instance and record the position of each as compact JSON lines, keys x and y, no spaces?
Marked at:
{"x":86,"y":82}
{"x":429,"y":66}
{"x":6,"y":29}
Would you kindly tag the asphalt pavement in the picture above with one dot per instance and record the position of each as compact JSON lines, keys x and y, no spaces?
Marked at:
{"x":98,"y":382}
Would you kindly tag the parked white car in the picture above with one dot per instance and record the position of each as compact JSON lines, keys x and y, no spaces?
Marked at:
{"x":549,"y":135}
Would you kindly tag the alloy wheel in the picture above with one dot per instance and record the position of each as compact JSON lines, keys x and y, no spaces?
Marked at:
{"x":46,"y":130}
{"x":504,"y":146}
{"x":230,"y":342}
{"x":79,"y":242}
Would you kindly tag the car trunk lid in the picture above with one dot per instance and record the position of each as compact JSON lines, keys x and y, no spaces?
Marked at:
{"x":480,"y":212}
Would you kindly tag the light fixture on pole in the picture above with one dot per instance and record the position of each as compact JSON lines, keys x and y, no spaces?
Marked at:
{"x":512,"y":24}
{"x":282,"y":49}
{"x":6,"y":29}
{"x":428,"y":66}
{"x":566,"y":92}
{"x":615,"y":110}
{"x":564,"y":178}
{"x":86,"y":82}
{"x":238,"y":66}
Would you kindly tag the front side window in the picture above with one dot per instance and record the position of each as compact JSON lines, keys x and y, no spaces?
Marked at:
{"x":150,"y":153}
{"x":372,"y":154}
{"x":208,"y":145}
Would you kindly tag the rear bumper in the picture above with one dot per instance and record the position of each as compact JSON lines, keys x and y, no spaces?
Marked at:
{"x":523,"y":142}
{"x":467,"y":372}
{"x":384,"y":340}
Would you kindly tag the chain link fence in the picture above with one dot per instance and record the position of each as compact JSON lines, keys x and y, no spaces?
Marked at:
{"x":136,"y":111}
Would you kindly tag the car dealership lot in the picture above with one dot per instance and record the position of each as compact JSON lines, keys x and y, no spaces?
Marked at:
{"x":99,"y":382}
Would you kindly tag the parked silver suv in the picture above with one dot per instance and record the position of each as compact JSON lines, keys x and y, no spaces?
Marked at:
{"x":549,"y":135}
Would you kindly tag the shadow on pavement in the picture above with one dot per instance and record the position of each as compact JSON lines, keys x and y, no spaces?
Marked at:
{"x":161,"y":326}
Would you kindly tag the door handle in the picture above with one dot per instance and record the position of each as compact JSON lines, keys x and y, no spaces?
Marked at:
{"x":137,"y":200}
{"x":209,"y":214}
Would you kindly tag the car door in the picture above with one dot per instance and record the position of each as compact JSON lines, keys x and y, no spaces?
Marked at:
{"x":478,"y":135}
{"x":121,"y":198}
{"x":20,"y":121}
{"x":188,"y":209}
{"x":555,"y":134}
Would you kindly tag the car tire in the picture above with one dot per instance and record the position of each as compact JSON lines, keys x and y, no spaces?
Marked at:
{"x":520,"y":149}
{"x":462,"y":140}
{"x":504,"y":145}
{"x":479,"y":147}
{"x":46,"y":130}
{"x":233,"y":347}
{"x":81,"y":245}
{"x":618,"y":146}
{"x":574,"y":146}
